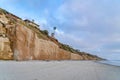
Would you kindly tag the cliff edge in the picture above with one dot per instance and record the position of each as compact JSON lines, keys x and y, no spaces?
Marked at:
{"x":23,"y":40}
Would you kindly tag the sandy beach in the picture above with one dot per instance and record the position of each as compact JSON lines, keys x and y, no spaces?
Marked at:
{"x":57,"y":70}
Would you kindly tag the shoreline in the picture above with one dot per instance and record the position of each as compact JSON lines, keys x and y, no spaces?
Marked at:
{"x":107,"y":62}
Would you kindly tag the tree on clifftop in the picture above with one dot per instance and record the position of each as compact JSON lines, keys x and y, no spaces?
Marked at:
{"x":53,"y":34}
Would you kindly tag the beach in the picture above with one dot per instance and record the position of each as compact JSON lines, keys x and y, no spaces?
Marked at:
{"x":58,"y":70}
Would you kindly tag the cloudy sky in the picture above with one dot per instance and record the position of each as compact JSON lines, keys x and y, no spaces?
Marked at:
{"x":89,"y":25}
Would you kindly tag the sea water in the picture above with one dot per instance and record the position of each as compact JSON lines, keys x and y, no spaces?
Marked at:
{"x":111,"y":62}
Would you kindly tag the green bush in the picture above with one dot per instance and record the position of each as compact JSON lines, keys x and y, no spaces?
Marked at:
{"x":45,"y":32}
{"x":68,"y":48}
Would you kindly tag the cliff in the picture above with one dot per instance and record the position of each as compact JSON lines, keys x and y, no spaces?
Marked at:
{"x":22,"y":41}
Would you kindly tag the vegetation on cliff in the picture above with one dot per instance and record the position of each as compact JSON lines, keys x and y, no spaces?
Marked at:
{"x":14,"y":21}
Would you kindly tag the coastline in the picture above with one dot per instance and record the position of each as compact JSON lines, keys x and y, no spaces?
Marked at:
{"x":57,"y":70}
{"x":109,"y":62}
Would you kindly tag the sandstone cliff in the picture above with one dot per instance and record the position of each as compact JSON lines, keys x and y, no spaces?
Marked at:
{"x":22,"y":41}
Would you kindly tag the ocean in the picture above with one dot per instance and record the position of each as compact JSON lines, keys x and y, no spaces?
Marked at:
{"x":111,"y":62}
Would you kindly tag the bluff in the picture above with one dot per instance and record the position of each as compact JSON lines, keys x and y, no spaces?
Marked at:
{"x":23,"y":40}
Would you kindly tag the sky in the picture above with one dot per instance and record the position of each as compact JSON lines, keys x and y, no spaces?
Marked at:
{"x":91,"y":26}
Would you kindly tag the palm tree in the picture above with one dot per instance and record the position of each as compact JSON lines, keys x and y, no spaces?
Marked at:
{"x":53,"y":34}
{"x":54,"y":28}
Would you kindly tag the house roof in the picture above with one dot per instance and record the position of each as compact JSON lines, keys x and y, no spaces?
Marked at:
{"x":26,"y":20}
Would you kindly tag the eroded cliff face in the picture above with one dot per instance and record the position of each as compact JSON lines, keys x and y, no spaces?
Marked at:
{"x":5,"y":49}
{"x":19,"y":42}
{"x":27,"y":46}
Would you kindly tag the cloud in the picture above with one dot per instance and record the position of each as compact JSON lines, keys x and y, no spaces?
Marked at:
{"x":90,"y":25}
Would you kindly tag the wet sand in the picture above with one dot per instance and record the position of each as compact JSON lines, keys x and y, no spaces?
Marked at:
{"x":58,"y":70}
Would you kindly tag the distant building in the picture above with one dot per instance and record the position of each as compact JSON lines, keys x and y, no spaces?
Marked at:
{"x":31,"y":23}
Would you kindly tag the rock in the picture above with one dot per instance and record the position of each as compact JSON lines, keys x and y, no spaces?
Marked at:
{"x":20,"y":41}
{"x":5,"y":49}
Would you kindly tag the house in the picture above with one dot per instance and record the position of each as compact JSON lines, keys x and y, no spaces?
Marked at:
{"x":31,"y":23}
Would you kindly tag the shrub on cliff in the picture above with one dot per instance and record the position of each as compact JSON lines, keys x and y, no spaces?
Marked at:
{"x":45,"y":32}
{"x":68,"y":48}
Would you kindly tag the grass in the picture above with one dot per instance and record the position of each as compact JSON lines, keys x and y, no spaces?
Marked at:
{"x":3,"y":11}
{"x":41,"y":34}
{"x":44,"y":35}
{"x":68,"y":48}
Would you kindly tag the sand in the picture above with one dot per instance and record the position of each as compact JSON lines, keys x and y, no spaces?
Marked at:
{"x":58,"y":70}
